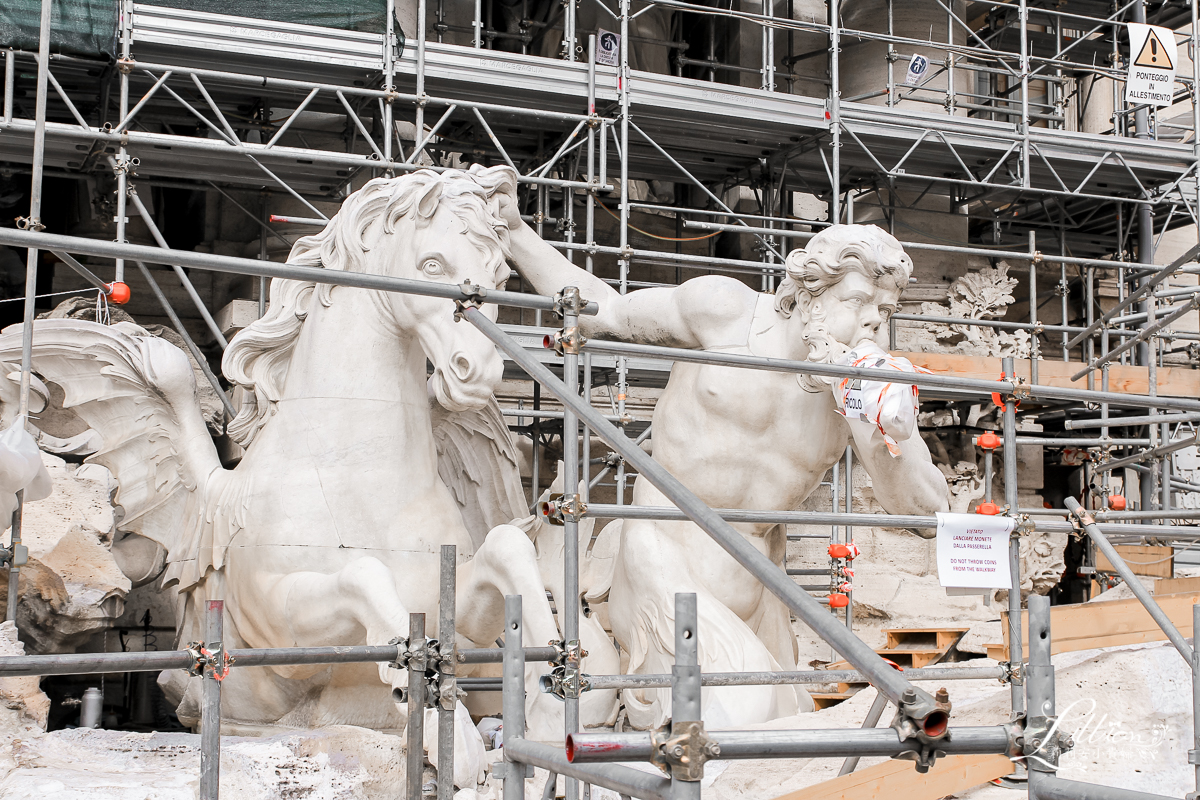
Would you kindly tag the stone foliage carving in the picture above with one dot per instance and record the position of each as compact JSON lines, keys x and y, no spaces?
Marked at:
{"x":984,"y":294}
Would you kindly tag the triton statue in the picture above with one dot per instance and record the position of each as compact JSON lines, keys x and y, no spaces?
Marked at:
{"x":740,"y":438}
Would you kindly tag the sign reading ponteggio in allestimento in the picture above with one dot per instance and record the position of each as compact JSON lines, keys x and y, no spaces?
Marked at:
{"x":608,"y":47}
{"x":1152,"y":60}
{"x":972,"y":551}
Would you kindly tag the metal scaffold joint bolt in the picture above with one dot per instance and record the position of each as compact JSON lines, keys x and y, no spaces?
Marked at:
{"x":682,"y":750}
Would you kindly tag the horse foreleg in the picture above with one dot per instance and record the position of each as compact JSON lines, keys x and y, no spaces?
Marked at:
{"x":355,"y":604}
{"x":506,"y":564}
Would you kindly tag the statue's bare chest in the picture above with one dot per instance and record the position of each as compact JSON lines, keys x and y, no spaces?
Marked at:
{"x":751,"y":419}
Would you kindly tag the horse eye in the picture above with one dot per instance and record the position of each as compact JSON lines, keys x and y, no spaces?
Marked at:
{"x":432,"y":267}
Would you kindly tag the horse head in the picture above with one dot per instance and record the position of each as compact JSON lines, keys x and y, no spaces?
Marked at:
{"x":446,"y":230}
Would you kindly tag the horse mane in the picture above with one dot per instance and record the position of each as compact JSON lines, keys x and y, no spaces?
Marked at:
{"x":258,"y":358}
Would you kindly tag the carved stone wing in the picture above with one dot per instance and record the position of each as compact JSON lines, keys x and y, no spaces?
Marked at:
{"x":138,"y":393}
{"x":477,"y":460}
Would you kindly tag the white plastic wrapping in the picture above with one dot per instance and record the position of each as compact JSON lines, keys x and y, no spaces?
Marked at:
{"x":891,"y":408}
{"x":21,"y":467}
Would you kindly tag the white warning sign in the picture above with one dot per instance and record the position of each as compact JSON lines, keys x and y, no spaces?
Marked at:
{"x":1152,"y":59}
{"x":608,"y":47}
{"x":918,"y":65}
{"x":972,"y":550}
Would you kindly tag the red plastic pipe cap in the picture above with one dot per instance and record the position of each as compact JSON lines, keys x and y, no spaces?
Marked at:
{"x":1116,"y":502}
{"x":991,"y":509}
{"x":837,"y":600}
{"x":838,"y":550}
{"x":118,"y":293}
{"x":989,"y":440}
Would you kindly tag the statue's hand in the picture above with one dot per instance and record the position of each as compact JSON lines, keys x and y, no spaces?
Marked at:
{"x":508,"y":208}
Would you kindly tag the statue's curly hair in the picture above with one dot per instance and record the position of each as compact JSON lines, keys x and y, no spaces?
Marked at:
{"x":835,"y":251}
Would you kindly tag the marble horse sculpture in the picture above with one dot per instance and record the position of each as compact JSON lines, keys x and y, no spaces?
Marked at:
{"x":328,"y":530}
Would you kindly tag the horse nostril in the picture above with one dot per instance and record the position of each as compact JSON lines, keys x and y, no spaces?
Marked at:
{"x":461,"y":366}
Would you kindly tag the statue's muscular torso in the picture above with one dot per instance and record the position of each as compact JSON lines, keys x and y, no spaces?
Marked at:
{"x":738,"y":438}
{"x":748,"y":438}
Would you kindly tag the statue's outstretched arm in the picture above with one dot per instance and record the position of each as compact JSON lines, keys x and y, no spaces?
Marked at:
{"x":909,"y":483}
{"x":711,"y":311}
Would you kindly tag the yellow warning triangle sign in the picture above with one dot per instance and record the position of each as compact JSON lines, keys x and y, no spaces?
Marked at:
{"x":1153,"y":53}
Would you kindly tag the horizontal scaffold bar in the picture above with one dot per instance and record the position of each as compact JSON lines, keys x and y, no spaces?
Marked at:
{"x":90,"y":663}
{"x":269,"y":269}
{"x":613,"y":511}
{"x":982,"y":387}
{"x":592,"y":748}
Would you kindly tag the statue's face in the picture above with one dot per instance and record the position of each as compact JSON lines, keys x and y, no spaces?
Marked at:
{"x":856,"y":308}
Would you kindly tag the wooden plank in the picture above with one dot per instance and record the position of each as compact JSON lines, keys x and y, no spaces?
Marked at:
{"x":1149,"y":560}
{"x":1177,"y":585}
{"x":1173,"y":381}
{"x":1086,"y":626}
{"x":900,"y":780}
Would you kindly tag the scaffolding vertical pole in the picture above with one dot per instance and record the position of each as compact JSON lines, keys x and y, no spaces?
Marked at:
{"x":1145,"y":222}
{"x":122,"y":160}
{"x":569,"y":28}
{"x":33,"y":223}
{"x":1089,"y":344}
{"x":1015,"y":649}
{"x":1064,"y":294}
{"x":10,"y":79}
{"x":585,"y":446}
{"x":419,"y":132}
{"x":415,"y":733}
{"x":14,"y":569}
{"x":447,"y":698}
{"x":950,"y":60}
{"x":1106,"y":474}
{"x":1194,"y":756}
{"x":849,"y":505}
{"x":1025,"y":176}
{"x":210,"y":709}
{"x":1034,"y":353}
{"x":389,"y":72}
{"x":513,"y":697}
{"x":623,"y":260}
{"x":891,"y":65}
{"x":569,"y":614}
{"x":262,"y":255}
{"x":1039,"y":681}
{"x":835,"y":112}
{"x":685,"y":682}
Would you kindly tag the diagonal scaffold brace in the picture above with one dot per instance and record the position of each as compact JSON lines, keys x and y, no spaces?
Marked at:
{"x":920,"y":717}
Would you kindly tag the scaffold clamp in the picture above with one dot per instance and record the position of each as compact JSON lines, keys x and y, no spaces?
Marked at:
{"x":559,"y":509}
{"x":682,"y":748}
{"x":566,"y":681}
{"x":474,"y":297}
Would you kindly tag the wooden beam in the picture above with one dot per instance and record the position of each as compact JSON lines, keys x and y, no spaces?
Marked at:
{"x":1087,"y":626}
{"x":1151,"y":561}
{"x":1177,"y":585}
{"x":899,"y":780}
{"x":1172,"y":381}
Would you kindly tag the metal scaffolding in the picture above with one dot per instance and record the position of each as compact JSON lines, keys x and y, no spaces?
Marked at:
{"x":1003,"y":133}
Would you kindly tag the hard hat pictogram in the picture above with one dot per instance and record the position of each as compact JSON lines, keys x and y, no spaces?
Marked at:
{"x":1153,"y":54}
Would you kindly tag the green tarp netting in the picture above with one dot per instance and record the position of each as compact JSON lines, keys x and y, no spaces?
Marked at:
{"x":77,"y":27}
{"x":348,"y":15}
{"x":89,"y":27}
